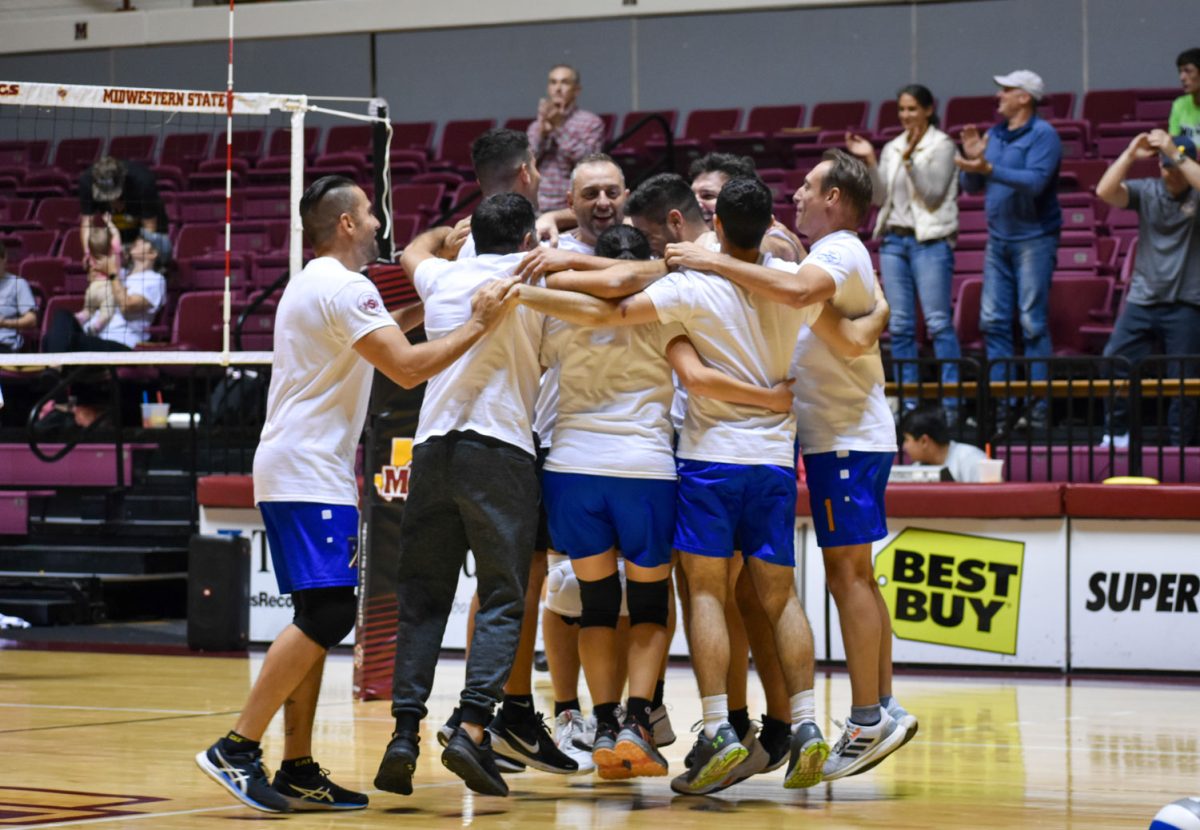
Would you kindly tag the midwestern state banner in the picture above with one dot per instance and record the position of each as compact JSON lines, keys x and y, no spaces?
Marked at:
{"x":25,"y":93}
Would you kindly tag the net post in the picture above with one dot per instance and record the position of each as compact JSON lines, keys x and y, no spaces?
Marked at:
{"x":295,"y":238}
{"x":381,"y":147}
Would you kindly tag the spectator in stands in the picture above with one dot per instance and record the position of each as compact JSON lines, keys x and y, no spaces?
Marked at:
{"x":926,"y":440}
{"x":17,"y":307}
{"x":916,"y":188}
{"x":1163,"y":300}
{"x":561,"y":135}
{"x":138,"y":296}
{"x":1016,"y":165}
{"x":710,"y":173}
{"x":1185,"y":110}
{"x":125,"y":190}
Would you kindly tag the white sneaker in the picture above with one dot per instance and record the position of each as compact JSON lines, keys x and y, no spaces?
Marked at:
{"x":862,"y":746}
{"x":1117,"y":442}
{"x":660,"y":725}
{"x":573,"y":739}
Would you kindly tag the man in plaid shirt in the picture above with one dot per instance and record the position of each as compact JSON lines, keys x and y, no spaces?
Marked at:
{"x":561,"y":136}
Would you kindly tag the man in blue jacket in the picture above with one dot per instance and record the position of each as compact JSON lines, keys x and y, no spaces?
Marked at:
{"x":1016,"y":165}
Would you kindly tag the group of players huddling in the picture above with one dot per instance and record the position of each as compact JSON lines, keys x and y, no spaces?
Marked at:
{"x":691,"y":349}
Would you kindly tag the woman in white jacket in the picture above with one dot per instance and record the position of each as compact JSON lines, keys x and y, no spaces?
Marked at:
{"x":916,"y":186}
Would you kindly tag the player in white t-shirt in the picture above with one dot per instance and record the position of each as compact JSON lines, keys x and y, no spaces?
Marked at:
{"x":473,"y":486}
{"x":737,"y":477}
{"x":330,"y":330}
{"x":711,"y":172}
{"x":847,"y":435}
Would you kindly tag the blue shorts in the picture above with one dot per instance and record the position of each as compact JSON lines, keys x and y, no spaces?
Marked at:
{"x":845,"y":492}
{"x":312,"y":545}
{"x":590,"y":514}
{"x":724,"y":507}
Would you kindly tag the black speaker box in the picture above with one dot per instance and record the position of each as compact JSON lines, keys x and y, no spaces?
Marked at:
{"x":218,"y":613}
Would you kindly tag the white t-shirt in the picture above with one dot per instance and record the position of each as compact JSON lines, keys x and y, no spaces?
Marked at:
{"x":614,"y":400}
{"x":839,"y":403}
{"x":747,"y":337}
{"x":491,"y":388}
{"x":135,"y":328}
{"x":317,"y":402}
{"x":546,"y":407}
{"x":467,"y":251}
{"x":962,"y":460}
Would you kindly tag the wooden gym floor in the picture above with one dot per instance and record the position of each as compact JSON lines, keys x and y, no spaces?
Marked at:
{"x":108,"y":739}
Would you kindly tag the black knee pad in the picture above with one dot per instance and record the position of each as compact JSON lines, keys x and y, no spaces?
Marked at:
{"x":325,"y":615}
{"x":648,"y":601}
{"x":601,"y":602}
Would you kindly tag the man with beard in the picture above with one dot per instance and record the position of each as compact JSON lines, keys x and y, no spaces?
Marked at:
{"x":561,"y":135}
{"x":331,"y":332}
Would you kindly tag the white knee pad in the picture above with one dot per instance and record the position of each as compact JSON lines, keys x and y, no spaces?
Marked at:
{"x":562,"y":588}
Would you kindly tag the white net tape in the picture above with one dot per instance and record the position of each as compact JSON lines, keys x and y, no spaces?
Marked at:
{"x":142,"y":358}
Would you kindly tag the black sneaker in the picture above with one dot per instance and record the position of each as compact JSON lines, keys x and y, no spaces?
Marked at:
{"x":529,"y":742}
{"x":242,"y":774}
{"x":474,"y":764}
{"x":446,"y":730}
{"x":399,"y":763}
{"x":312,"y":790}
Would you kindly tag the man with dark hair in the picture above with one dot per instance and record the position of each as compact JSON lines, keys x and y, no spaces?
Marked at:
{"x":848,"y":438}
{"x":503,"y":163}
{"x":926,"y":440}
{"x":736,"y":463}
{"x":710,"y":173}
{"x":473,"y":486}
{"x":1016,"y":165}
{"x":331,"y":332}
{"x":664,"y":208}
{"x":128,"y":191}
{"x":18,"y":310}
{"x":1185,"y":110}
{"x":562,"y":134}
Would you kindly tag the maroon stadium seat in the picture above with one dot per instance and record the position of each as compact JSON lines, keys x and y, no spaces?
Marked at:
{"x":457,"y":137}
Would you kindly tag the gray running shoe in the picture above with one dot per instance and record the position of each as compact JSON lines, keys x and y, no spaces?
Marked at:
{"x":807,"y":760}
{"x":713,"y":759}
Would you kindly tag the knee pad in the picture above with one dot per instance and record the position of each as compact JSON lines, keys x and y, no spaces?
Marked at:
{"x":648,"y":602}
{"x":325,"y":615}
{"x":601,"y":601}
{"x":562,"y":589}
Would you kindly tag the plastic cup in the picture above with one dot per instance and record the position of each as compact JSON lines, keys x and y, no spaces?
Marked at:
{"x":991,"y":470}
{"x":154,"y":415}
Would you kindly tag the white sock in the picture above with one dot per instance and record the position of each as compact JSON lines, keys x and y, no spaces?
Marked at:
{"x":716,"y":712}
{"x":804,"y":707}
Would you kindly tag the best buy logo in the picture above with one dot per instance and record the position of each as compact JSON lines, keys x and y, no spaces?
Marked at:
{"x":953,"y":590}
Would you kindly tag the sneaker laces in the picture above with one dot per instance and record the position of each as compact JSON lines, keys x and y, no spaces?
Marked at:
{"x":842,"y":741}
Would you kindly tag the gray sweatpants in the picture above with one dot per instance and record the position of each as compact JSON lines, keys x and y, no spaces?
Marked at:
{"x":467,"y":491}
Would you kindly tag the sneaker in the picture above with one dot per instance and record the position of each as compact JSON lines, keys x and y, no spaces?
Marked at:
{"x":446,"y":730}
{"x":609,"y":765}
{"x":690,"y":758}
{"x":473,"y":763}
{"x":714,"y":758}
{"x":660,"y":725}
{"x":244,"y":776}
{"x":1117,"y":442}
{"x":573,"y":739}
{"x":398,"y":764}
{"x":777,"y":743}
{"x":529,"y":742}
{"x":756,"y":762}
{"x":806,"y":761}
{"x":635,"y":746}
{"x":908,"y":723}
{"x":313,"y":790}
{"x":863,"y":745}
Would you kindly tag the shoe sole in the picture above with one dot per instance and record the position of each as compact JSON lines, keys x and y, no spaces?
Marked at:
{"x":215,"y":774}
{"x":476,"y":779}
{"x":506,"y":764}
{"x":518,"y":755}
{"x":641,"y":763}
{"x":609,"y":765}
{"x":300,"y":805}
{"x":910,"y":732}
{"x":718,"y":768}
{"x":809,"y":769}
{"x":881,"y":751}
{"x":395,"y":774}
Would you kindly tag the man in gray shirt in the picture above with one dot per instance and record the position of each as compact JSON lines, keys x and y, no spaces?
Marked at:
{"x":16,"y":307}
{"x":1164,"y":293}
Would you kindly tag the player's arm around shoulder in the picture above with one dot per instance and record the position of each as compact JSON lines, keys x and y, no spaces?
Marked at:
{"x":620,"y":279}
{"x":705,"y":381}
{"x":852,"y":338}
{"x":586,"y":310}
{"x":798,"y":286}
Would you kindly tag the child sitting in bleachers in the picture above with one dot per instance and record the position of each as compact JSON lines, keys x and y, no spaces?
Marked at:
{"x":103,"y":264}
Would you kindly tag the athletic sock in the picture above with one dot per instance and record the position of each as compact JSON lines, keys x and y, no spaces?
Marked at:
{"x":561,"y":706}
{"x":893,"y":707}
{"x":300,"y":767}
{"x":235,"y":744}
{"x":716,"y":712}
{"x":606,"y":713}
{"x":887,"y":701}
{"x":658,"y":693}
{"x":804,"y":707}
{"x":639,"y":710}
{"x":772,"y":728}
{"x":866,"y":715}
{"x":739,"y":719}
{"x":517,"y":708}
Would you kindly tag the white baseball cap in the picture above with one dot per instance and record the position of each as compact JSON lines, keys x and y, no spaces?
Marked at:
{"x":1024,"y":79}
